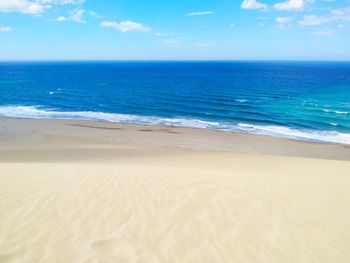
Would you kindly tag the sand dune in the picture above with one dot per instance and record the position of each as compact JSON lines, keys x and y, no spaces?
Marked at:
{"x":78,"y":200}
{"x":270,"y":212}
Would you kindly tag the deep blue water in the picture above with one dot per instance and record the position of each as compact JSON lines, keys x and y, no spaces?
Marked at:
{"x":301,"y":100}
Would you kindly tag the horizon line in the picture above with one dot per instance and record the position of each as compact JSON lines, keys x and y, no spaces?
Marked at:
{"x":174,"y":60}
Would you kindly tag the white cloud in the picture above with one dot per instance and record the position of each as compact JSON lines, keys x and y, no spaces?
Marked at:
{"x":21,"y":6}
{"x":284,"y":20}
{"x":335,"y":15}
{"x":34,"y":7}
{"x":61,"y":2}
{"x":125,"y":26}
{"x":200,"y":13}
{"x":60,"y":19}
{"x":253,"y":4}
{"x":75,"y":15}
{"x":5,"y":29}
{"x":290,"y":5}
{"x":67,"y":2}
{"x":94,"y":14}
{"x":312,"y":20}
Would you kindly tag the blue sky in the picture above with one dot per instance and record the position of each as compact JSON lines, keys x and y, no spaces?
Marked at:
{"x":174,"y":29}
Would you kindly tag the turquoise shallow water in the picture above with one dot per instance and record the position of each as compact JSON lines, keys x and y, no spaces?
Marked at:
{"x":300,"y":100}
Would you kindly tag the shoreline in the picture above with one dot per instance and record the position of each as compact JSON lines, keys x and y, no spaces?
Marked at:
{"x":271,"y":130}
{"x":172,"y":137}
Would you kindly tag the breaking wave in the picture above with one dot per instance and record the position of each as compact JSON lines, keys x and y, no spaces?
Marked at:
{"x":37,"y":112}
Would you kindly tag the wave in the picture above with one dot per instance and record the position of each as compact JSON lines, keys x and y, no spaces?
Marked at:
{"x":37,"y":112}
{"x":54,"y":92}
{"x":241,"y":100}
{"x":342,"y":112}
{"x":304,"y":135}
{"x":337,"y":112}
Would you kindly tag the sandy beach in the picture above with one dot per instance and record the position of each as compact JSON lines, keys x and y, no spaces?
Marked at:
{"x":79,"y":191}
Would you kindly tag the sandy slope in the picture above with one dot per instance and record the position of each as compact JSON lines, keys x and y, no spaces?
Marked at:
{"x":78,"y":200}
{"x":254,"y":209}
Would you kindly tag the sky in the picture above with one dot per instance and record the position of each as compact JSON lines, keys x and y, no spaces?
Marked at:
{"x":174,"y":30}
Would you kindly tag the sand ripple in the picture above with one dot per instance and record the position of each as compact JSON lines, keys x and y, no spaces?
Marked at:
{"x":122,"y":213}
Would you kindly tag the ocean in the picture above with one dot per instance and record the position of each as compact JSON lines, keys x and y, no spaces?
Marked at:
{"x":307,"y":101}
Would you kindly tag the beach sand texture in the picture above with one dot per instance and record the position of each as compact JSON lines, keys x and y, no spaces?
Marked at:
{"x":78,"y":199}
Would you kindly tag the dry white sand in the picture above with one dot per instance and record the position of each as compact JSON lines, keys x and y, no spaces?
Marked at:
{"x":82,"y":200}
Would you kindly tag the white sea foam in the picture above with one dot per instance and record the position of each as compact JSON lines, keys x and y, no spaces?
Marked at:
{"x":36,"y":112}
{"x":337,"y":112}
{"x":54,"y":92}
{"x":341,"y":112}
{"x":269,"y":130}
{"x":305,"y":135}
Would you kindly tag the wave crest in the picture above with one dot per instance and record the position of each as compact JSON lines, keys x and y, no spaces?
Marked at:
{"x":37,"y":112}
